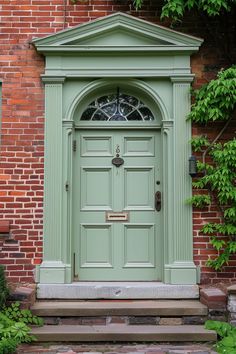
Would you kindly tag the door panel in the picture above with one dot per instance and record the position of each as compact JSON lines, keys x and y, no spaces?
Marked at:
{"x":138,"y":188}
{"x":139,"y":246}
{"x":96,"y":146}
{"x":91,"y":238}
{"x":109,"y":249}
{"x":96,"y":188}
{"x":139,"y":146}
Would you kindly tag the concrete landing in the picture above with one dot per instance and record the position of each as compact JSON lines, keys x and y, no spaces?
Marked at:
{"x":123,"y":333}
{"x":117,"y":290}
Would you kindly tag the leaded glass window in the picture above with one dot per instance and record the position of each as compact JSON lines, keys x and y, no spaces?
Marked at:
{"x":119,"y":107}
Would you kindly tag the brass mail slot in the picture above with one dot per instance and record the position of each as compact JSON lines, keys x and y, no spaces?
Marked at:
{"x":117,"y":216}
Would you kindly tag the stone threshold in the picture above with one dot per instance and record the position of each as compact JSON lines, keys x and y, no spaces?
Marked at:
{"x":116,"y":290}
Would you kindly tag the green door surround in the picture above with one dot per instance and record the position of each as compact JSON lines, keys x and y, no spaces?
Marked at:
{"x":150,"y":62}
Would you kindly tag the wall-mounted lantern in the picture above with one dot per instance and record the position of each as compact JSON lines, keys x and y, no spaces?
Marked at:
{"x":192,"y":166}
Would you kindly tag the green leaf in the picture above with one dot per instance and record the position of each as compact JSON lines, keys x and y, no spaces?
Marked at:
{"x":229,"y":341}
{"x":217,"y":244}
{"x":223,"y":329}
{"x":199,"y":200}
{"x":199,"y":142}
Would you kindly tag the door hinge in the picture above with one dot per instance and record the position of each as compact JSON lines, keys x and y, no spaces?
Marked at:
{"x":67,"y":186}
{"x":74,"y":145}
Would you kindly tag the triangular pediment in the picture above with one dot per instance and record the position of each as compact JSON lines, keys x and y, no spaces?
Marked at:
{"x":118,"y":30}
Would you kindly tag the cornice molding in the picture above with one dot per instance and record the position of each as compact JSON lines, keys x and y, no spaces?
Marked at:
{"x":85,"y":37}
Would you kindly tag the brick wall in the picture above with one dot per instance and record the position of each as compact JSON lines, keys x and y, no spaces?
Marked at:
{"x":202,"y":248}
{"x":22,"y":144}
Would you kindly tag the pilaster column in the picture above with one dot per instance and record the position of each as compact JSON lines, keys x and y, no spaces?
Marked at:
{"x":179,"y":266}
{"x":52,"y":269}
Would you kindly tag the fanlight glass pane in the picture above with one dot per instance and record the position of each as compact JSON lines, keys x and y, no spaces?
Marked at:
{"x":117,"y":108}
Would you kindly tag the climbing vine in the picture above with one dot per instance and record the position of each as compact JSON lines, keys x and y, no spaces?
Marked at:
{"x":216,"y":101}
{"x":175,"y":9}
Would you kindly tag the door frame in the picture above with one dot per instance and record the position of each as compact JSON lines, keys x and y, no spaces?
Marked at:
{"x":153,"y":61}
{"x":178,"y":266}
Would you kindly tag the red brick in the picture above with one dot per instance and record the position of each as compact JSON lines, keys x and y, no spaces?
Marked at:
{"x":214,"y":298}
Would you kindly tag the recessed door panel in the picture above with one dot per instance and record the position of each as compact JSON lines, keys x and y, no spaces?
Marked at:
{"x":96,"y":246}
{"x":139,"y":246}
{"x":139,"y":188}
{"x":139,"y":146}
{"x":116,"y":228}
{"x":96,"y":145}
{"x":96,"y":188}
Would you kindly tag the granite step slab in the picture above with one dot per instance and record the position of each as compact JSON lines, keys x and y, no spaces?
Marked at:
{"x":123,"y":333}
{"x":120,"y":308}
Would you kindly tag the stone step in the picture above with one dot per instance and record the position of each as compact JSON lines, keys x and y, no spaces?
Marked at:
{"x":123,"y":333}
{"x":117,"y":290}
{"x":120,"y":308}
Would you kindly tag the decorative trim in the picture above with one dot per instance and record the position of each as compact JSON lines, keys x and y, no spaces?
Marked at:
{"x":115,"y":21}
{"x":167,"y":124}
{"x":113,"y":49}
{"x":180,"y":273}
{"x":119,"y":73}
{"x":182,"y":79}
{"x":52,"y":271}
{"x":53,"y":79}
{"x":118,"y":126}
{"x":68,"y":123}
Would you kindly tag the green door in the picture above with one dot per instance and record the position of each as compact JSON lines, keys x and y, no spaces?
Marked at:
{"x":116,"y":227}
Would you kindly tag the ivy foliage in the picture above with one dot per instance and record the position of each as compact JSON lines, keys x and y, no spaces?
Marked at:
{"x":217,"y":101}
{"x":226,"y":334}
{"x":175,"y":9}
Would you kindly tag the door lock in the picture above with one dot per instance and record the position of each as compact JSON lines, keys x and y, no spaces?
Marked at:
{"x":158,"y":201}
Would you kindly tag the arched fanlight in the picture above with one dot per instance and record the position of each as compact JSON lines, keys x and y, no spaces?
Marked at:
{"x":117,"y":107}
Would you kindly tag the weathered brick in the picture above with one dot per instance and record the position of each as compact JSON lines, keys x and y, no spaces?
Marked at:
{"x":194,"y":320}
{"x":90,"y":321}
{"x":213,"y":298}
{"x":116,"y":319}
{"x":143,"y":320}
{"x":170,"y":321}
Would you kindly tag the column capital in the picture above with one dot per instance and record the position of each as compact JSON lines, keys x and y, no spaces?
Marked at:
{"x":69,"y":124}
{"x":182,"y":79}
{"x":53,"y":79}
{"x":167,"y":124}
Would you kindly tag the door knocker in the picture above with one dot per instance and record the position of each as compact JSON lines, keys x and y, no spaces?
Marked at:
{"x":117,"y":161}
